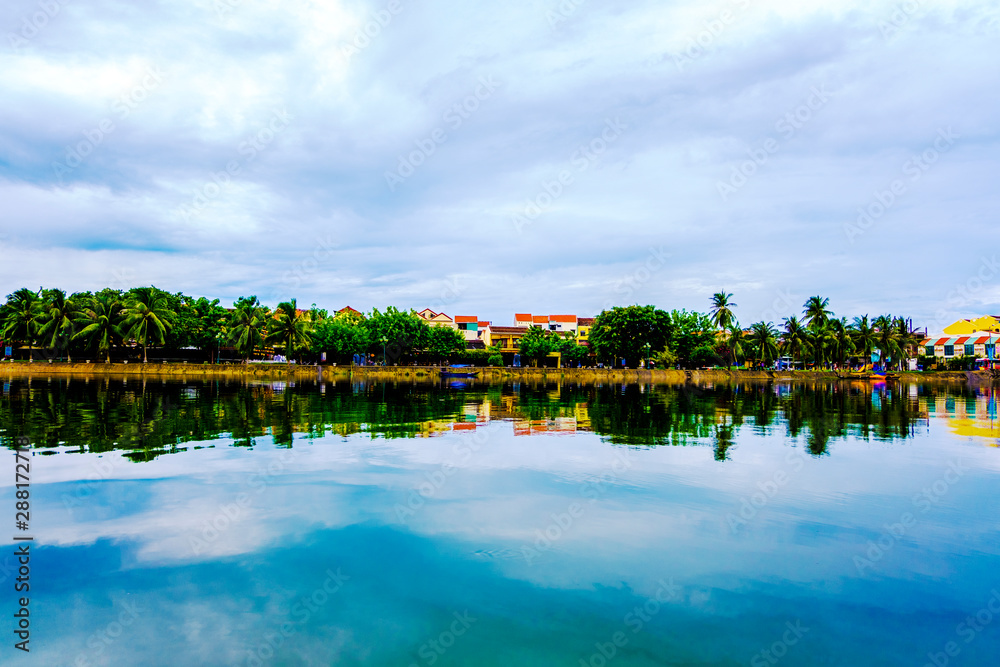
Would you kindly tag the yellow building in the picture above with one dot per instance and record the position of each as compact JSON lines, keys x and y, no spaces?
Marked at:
{"x":969,"y":327}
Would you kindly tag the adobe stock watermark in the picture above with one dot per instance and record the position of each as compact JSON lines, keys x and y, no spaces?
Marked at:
{"x":967,"y":630}
{"x":232,"y":513}
{"x":635,"y":620}
{"x":779,"y":649}
{"x":562,"y":522}
{"x":300,"y":613}
{"x":122,"y":107}
{"x":219,"y":181}
{"x":629,"y":284}
{"x":787,"y":126}
{"x":32,"y":25}
{"x":581,"y":160}
{"x":914,"y":168}
{"x":698,"y":44}
{"x":372,"y":28}
{"x":434,"y":649}
{"x":453,"y":118}
{"x":563,"y":11}
{"x":100,"y":641}
{"x":963,"y":294}
{"x":901,"y":15}
{"x":461,"y":454}
{"x":751,"y":505}
{"x":293,"y":278}
{"x":928,"y":497}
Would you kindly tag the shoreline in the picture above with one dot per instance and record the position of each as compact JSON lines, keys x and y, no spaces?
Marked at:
{"x":183,"y":371}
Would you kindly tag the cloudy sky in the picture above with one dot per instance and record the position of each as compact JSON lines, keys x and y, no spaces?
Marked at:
{"x":482,"y":158}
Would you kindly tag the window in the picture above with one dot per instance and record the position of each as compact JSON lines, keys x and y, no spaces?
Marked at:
{"x":949,"y":350}
{"x":991,"y":351}
{"x":929,"y":350}
{"x":970,"y":350}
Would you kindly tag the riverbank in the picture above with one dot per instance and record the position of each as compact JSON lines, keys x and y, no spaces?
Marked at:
{"x":184,"y":372}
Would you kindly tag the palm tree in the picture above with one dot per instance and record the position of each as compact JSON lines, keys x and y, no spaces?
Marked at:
{"x":864,"y":337}
{"x":147,"y":316}
{"x":59,"y":319}
{"x":247,"y":326}
{"x":816,"y":312}
{"x":765,"y":341}
{"x":23,"y":316}
{"x":795,"y":339}
{"x":887,"y":341}
{"x":289,"y":327}
{"x":735,"y":341}
{"x":102,"y":318}
{"x":824,"y":339}
{"x":843,"y":343}
{"x":906,"y":339}
{"x":722,"y":314}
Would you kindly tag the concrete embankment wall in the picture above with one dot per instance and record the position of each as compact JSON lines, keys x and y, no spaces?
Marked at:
{"x":181,"y":371}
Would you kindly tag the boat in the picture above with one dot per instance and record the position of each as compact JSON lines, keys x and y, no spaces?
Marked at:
{"x":458,"y":372}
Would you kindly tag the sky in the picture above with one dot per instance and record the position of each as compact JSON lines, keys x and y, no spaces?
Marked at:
{"x":492,"y":158}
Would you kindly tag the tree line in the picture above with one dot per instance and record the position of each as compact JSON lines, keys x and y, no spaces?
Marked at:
{"x":124,"y":323}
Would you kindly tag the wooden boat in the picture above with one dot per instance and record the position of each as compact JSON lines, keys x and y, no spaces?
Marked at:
{"x":458,"y":372}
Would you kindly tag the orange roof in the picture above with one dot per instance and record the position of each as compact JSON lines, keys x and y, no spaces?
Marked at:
{"x":961,"y":341}
{"x":483,"y":325}
{"x":466,"y":318}
{"x":982,"y":340}
{"x":562,"y":318}
{"x":521,"y":317}
{"x":540,"y":319}
{"x":348,"y":309}
{"x":501,"y":331}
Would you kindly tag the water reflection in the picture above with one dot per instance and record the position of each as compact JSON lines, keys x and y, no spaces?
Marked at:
{"x":149,"y":418}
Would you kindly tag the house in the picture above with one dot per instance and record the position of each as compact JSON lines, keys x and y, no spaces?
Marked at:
{"x":984,"y":324}
{"x":508,"y":339}
{"x":583,"y":326}
{"x":349,"y":313}
{"x":982,"y":344}
{"x":437,"y":319}
{"x":474,"y":330}
{"x":557,"y":323}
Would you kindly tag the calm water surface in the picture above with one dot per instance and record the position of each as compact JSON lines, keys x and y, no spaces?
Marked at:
{"x":371,"y":524}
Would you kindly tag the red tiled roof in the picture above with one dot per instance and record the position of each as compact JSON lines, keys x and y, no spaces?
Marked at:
{"x":508,"y":331}
{"x":520,"y":317}
{"x":562,"y":318}
{"x":464,"y":319}
{"x":427,"y":310}
{"x":540,"y":319}
{"x":586,"y":321}
{"x":348,"y":309}
{"x":483,"y":325}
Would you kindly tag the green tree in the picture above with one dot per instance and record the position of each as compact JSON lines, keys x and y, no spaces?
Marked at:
{"x":290,"y":328}
{"x":721,"y":312}
{"x":342,"y":338}
{"x":444,"y":342}
{"x":198,"y":323}
{"x":630,"y":333}
{"x":865,"y":337}
{"x":816,"y":311}
{"x":247,"y":326}
{"x":23,"y":314}
{"x":396,"y":333}
{"x":843,"y":344}
{"x":795,"y":341}
{"x":764,"y":338}
{"x":736,"y":343}
{"x":59,"y":320}
{"x":688,"y":331}
{"x":101,"y":320}
{"x":886,"y":340}
{"x":538,"y":343}
{"x":148,"y":316}
{"x":571,"y":353}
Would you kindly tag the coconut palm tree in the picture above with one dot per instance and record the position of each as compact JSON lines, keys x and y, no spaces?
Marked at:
{"x":864,"y":337}
{"x":843,"y":343}
{"x":147,"y":316}
{"x":722,"y":313}
{"x":59,"y":319}
{"x":906,"y":339}
{"x":887,"y":340}
{"x":289,"y":327}
{"x":765,"y":341}
{"x":824,"y":341}
{"x":23,"y":315}
{"x":795,"y":339}
{"x":247,"y":326}
{"x":816,"y":312}
{"x":736,"y":341}
{"x":101,"y":320}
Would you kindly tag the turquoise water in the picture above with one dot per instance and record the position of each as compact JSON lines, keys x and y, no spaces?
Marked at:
{"x":368,"y":524}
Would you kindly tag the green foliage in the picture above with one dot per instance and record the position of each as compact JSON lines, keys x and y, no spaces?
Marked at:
{"x":396,"y":333}
{"x":572,"y":353}
{"x":23,"y":315}
{"x":101,"y":321}
{"x":631,"y":333}
{"x":340,"y":338}
{"x":705,"y":355}
{"x":444,"y":342}
{"x":148,"y":316}
{"x":289,"y":328}
{"x":722,"y":310}
{"x":537,"y":343}
{"x":246,"y":329}
{"x":688,"y":331}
